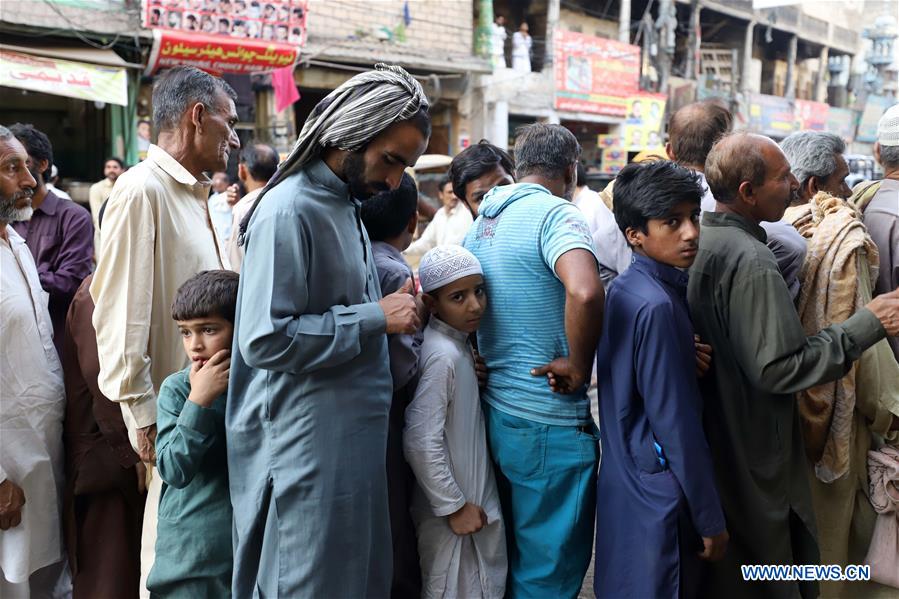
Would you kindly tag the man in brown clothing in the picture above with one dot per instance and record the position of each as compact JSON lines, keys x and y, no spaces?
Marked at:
{"x":104,"y":494}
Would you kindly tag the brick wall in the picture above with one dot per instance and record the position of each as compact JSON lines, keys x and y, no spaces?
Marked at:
{"x":442,"y":26}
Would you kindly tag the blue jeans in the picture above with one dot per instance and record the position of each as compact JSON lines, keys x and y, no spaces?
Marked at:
{"x":546,"y":476}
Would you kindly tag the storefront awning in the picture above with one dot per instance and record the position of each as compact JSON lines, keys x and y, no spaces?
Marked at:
{"x":83,"y":73}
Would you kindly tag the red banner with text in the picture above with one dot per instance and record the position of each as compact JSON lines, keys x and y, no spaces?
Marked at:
{"x":218,"y":54}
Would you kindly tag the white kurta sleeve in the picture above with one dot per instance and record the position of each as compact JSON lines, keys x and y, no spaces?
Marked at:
{"x":424,"y":441}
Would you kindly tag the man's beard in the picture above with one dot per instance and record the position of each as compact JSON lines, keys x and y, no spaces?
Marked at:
{"x":8,"y":211}
{"x":354,"y":171}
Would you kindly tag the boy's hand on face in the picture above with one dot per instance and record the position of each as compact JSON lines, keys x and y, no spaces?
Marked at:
{"x":469,"y":519}
{"x":209,"y":380}
{"x":703,"y":356}
{"x":563,"y":376}
{"x":714,"y":547}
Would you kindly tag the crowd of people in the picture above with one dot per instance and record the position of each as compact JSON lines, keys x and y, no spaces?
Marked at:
{"x":252,"y":394}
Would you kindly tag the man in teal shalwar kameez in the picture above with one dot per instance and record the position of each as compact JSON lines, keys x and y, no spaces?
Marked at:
{"x":310,"y":385}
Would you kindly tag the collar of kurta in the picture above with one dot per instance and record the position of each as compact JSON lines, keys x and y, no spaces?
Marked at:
{"x":453,"y":333}
{"x":668,"y":274}
{"x":728,"y":219}
{"x":173,"y":168}
{"x":50,"y":204}
{"x":322,"y":174}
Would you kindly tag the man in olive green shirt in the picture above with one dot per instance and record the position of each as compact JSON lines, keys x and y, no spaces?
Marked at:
{"x":742,"y":307}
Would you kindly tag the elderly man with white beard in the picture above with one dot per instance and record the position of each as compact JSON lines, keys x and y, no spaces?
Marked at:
{"x":32,"y":402}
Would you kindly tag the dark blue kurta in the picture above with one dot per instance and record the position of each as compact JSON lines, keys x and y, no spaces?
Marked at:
{"x":648,"y":515}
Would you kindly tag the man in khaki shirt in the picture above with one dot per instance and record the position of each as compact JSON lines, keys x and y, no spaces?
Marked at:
{"x":157,"y":234}
{"x":100,"y":191}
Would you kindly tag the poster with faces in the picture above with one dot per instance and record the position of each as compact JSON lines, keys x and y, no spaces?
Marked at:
{"x":282,"y":21}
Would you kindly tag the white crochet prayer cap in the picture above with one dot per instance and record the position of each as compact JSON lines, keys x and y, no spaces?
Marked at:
{"x":445,"y":264}
{"x":888,"y":127}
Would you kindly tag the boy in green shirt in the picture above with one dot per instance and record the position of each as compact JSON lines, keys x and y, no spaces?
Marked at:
{"x":193,"y":546}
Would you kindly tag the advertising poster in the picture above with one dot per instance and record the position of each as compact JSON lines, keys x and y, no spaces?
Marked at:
{"x":594,"y":75}
{"x":771,"y":115}
{"x":613,"y":160}
{"x":270,"y":20}
{"x":643,"y":126}
{"x":64,"y":77}
{"x":811,"y":116}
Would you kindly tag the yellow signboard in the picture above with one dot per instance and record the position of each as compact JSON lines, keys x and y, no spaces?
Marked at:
{"x":64,"y":77}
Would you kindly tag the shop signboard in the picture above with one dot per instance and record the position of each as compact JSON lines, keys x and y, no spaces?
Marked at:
{"x":225,"y":36}
{"x":218,"y":55}
{"x":64,"y":77}
{"x":594,"y":74}
{"x":875,"y":106}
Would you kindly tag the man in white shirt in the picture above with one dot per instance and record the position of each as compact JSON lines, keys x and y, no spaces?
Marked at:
{"x":449,"y":226}
{"x":258,"y":163}
{"x":32,"y":403}
{"x":100,"y":192}
{"x":156,"y":235}
{"x":220,"y":206}
{"x":612,"y":250}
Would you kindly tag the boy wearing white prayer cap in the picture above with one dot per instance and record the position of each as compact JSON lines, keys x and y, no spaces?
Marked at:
{"x":456,"y":509}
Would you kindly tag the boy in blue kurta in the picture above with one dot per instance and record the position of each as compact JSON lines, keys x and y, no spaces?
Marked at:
{"x":658,"y":511}
{"x":193,"y":544}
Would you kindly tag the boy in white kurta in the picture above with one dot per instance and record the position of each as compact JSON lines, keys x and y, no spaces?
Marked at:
{"x":456,"y":510}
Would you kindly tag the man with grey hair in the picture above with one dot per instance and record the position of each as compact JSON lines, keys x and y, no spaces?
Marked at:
{"x":156,"y":235}
{"x":538,"y":337}
{"x":816,"y":160}
{"x":879,"y":202}
{"x":32,"y":402}
{"x":840,"y":421}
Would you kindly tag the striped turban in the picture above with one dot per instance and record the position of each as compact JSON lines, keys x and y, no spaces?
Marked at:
{"x":349,"y":118}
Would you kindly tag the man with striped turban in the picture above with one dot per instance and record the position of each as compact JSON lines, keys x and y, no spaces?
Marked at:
{"x":310,"y":385}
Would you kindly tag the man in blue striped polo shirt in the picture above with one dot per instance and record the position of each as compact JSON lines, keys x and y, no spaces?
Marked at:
{"x":538,"y":337}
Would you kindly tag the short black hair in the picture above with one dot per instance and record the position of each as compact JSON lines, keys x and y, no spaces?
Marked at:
{"x":209,"y":293}
{"x":472,"y":162}
{"x":444,"y":179}
{"x":545,"y":149}
{"x":36,"y":143}
{"x":386,"y":214}
{"x":647,"y":190}
{"x":581,"y":174}
{"x":260,"y":159}
{"x":115,"y":159}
